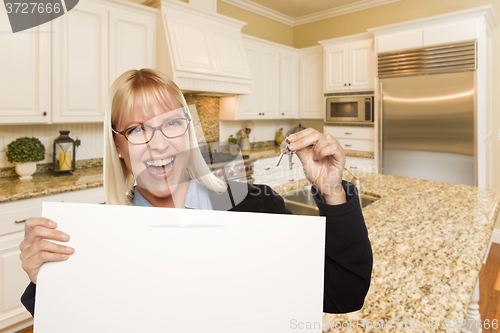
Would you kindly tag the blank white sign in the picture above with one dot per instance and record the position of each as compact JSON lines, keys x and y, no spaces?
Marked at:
{"x":141,"y":269}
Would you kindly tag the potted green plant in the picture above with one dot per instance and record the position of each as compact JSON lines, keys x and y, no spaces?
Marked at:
{"x":25,"y":152}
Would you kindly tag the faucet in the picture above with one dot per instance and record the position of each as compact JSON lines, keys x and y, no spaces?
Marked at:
{"x":357,"y":181}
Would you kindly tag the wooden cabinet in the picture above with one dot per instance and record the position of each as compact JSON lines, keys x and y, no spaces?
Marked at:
{"x":349,"y":63}
{"x":275,"y":75}
{"x":311,"y":98}
{"x":26,"y":74}
{"x":61,"y":71}
{"x":13,"y":279}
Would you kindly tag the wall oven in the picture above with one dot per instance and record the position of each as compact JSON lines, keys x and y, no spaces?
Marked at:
{"x":349,"y":107}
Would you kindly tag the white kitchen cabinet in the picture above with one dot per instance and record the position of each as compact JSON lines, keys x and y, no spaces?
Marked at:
{"x":270,"y":84}
{"x":60,"y":72}
{"x":289,"y":85}
{"x":26,"y":74}
{"x":275,"y":78}
{"x":266,"y":171}
{"x":80,"y":64}
{"x":349,"y":63}
{"x":399,"y":41}
{"x":360,"y":139}
{"x":13,"y":279}
{"x":311,"y":98}
{"x":132,"y":39}
{"x":427,"y":34}
{"x":362,"y":164}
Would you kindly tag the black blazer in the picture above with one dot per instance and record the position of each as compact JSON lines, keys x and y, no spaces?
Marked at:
{"x":348,"y":253}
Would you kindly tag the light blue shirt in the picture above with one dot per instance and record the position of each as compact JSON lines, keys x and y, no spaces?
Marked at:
{"x":196,"y":198}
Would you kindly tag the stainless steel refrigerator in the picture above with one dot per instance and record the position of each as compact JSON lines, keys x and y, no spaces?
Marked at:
{"x":427,"y":128}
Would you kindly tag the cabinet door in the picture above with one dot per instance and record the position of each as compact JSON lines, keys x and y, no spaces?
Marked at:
{"x":250,"y":105}
{"x":336,"y":68}
{"x":131,"y":41}
{"x":361,"y":66}
{"x":289,"y":86}
{"x":13,"y":281}
{"x":229,"y":49}
{"x":25,"y":72}
{"x":270,"y":83}
{"x":312,"y":101}
{"x":192,"y":47}
{"x":80,"y":64}
{"x":450,"y":33}
{"x":400,"y":41}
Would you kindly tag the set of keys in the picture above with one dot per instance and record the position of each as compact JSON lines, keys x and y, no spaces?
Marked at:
{"x":285,"y":151}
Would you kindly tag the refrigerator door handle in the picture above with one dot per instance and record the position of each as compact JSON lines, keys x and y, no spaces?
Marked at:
{"x":380,"y":132}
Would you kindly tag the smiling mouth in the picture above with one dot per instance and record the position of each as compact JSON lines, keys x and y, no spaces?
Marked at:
{"x":160,"y":166}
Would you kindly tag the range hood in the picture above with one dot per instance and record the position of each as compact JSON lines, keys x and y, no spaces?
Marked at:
{"x":201,"y":51}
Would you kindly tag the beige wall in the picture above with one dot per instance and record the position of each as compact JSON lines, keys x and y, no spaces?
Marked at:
{"x":258,"y":26}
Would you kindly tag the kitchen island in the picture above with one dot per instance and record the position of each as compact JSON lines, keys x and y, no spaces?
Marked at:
{"x":429,"y":240}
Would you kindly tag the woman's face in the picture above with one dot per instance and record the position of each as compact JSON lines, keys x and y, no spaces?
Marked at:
{"x":158,"y":166}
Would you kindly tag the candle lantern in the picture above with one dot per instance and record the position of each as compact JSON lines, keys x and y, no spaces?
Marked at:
{"x":64,"y":154}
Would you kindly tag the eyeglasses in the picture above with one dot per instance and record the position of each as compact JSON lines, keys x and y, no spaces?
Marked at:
{"x":142,"y":134}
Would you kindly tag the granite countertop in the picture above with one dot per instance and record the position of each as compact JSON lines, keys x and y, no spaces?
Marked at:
{"x":12,"y":189}
{"x":429,"y":240}
{"x":270,"y":151}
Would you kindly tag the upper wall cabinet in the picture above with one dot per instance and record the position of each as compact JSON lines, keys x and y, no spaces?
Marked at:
{"x":68,"y":77}
{"x":433,"y":34}
{"x":25,"y":72}
{"x":349,"y":63}
{"x":311,"y":101}
{"x":275,"y":74}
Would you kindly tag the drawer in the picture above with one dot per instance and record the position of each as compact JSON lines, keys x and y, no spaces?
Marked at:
{"x":366,"y":133}
{"x":14,"y":214}
{"x":357,"y":145}
{"x":361,"y":164}
{"x":267,"y":166}
{"x":280,"y":177}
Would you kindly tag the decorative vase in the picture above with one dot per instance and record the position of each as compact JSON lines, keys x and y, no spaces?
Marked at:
{"x":280,"y":138}
{"x":25,"y":170}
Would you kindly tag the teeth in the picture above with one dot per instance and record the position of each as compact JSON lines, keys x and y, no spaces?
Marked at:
{"x":160,"y":163}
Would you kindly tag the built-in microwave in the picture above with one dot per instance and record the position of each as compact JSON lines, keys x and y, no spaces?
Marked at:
{"x":349,"y":108}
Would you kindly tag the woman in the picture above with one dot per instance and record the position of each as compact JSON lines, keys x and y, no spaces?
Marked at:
{"x":150,"y":140}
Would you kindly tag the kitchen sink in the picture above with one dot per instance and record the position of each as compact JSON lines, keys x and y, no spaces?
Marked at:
{"x":301,"y":202}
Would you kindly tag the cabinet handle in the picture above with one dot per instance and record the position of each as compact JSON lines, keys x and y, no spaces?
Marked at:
{"x":22,"y":221}
{"x":345,"y":84}
{"x":347,"y":133}
{"x":291,"y":180}
{"x":282,"y":114}
{"x":44,"y":114}
{"x":263,"y":113}
{"x":348,"y":145}
{"x":268,"y":168}
{"x":349,"y":84}
{"x":353,"y":167}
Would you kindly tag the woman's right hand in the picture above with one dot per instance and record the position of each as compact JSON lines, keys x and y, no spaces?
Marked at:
{"x":36,"y":248}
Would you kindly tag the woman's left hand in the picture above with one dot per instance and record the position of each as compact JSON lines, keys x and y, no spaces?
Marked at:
{"x":323,"y":164}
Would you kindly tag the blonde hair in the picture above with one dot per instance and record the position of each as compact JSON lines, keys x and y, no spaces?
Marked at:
{"x":143,"y":87}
